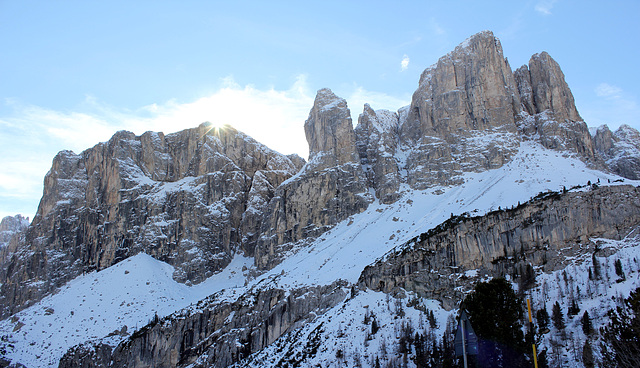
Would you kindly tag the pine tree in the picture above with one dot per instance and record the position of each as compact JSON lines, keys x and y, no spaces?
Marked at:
{"x":542,"y":316}
{"x":621,"y":337}
{"x":432,"y":320}
{"x":495,"y":313}
{"x":573,"y":309}
{"x":587,"y":326}
{"x":587,"y":355}
{"x":556,"y":316}
{"x":596,"y":266}
{"x":618,"y":266}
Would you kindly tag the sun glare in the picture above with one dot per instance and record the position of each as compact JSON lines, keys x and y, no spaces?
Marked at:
{"x":212,"y":128}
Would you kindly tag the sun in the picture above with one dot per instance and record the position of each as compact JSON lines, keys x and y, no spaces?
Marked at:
{"x":212,"y":128}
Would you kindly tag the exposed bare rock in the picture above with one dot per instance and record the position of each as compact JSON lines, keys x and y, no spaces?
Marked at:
{"x":329,"y":132}
{"x":330,"y":187}
{"x":620,"y":150}
{"x":377,"y":141}
{"x":213,"y":334}
{"x":471,"y":88}
{"x":538,"y":232}
{"x":463,"y":103}
{"x":10,"y":226}
{"x":191,"y":199}
{"x":550,"y":90}
{"x":550,"y":113}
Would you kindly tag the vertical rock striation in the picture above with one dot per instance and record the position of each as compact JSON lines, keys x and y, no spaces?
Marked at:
{"x":620,"y":150}
{"x":192,"y":199}
{"x":541,"y":232}
{"x":377,"y":143}
{"x":215,"y":334}
{"x":330,"y":187}
{"x":550,"y":111}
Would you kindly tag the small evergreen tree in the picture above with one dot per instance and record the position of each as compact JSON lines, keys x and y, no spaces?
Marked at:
{"x":587,"y":355}
{"x":618,"y":266}
{"x":587,"y":326}
{"x":557,"y":317}
{"x":596,"y":266}
{"x":374,"y":326}
{"x":621,"y":337}
{"x":495,"y":312}
{"x":573,"y":309}
{"x":432,"y":320}
{"x":542,"y":316}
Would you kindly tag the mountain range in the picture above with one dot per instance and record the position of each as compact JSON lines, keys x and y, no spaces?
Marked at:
{"x":205,"y":248}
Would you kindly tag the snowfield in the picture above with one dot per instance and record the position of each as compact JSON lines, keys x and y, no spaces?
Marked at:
{"x":118,"y":300}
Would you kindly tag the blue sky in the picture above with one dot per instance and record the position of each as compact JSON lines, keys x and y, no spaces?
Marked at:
{"x":74,"y":72}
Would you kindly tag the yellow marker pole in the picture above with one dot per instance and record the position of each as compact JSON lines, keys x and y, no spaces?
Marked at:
{"x":535,"y":356}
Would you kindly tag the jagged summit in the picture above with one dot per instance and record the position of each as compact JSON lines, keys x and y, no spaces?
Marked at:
{"x":329,"y":132}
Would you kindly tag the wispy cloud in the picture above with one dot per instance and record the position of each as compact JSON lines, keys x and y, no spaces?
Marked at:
{"x":435,"y":27}
{"x":404,"y":64}
{"x":544,"y":6}
{"x":608,"y":91}
{"x":612,"y":106}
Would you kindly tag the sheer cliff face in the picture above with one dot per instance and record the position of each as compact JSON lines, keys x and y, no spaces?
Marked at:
{"x":469,"y":114}
{"x":191,"y":199}
{"x":470,"y":89}
{"x":620,"y":150}
{"x":542,"y":232}
{"x":330,"y":187}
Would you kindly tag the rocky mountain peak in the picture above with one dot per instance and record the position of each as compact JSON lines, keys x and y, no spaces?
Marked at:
{"x":9,"y":226}
{"x":329,"y":132}
{"x":620,"y":150}
{"x":543,"y":87}
{"x":471,"y":88}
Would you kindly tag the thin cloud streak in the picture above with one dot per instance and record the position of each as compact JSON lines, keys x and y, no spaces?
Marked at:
{"x":544,"y":6}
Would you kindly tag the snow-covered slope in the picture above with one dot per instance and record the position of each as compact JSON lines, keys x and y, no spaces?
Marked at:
{"x":126,"y":295}
{"x":131,"y":292}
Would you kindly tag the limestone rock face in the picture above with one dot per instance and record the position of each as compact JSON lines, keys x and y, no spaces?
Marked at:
{"x":192,"y":199}
{"x":542,"y":232}
{"x":549,"y":89}
{"x":471,"y":88}
{"x":216,"y":334}
{"x":620,"y":150}
{"x":329,"y":132}
{"x":462,"y":116}
{"x":330,"y":187}
{"x":10,"y":226}
{"x":550,"y":112}
{"x":377,"y":141}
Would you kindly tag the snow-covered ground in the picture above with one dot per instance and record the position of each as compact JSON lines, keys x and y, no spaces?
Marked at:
{"x":94,"y":305}
{"x":132,"y":291}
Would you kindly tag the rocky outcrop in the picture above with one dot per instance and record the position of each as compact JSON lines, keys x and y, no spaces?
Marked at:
{"x":214,"y":333}
{"x":377,"y":143}
{"x":542,"y":87}
{"x":471,"y":88}
{"x":191,"y":199}
{"x":462,"y":116}
{"x":10,"y":226}
{"x":620,"y":150}
{"x":330,"y":187}
{"x":540,"y":232}
{"x":550,"y":113}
